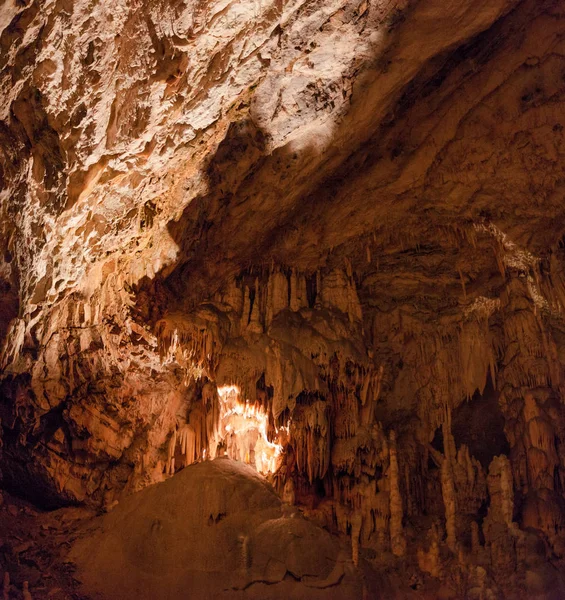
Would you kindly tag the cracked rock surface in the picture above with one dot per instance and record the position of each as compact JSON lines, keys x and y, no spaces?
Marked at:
{"x":342,"y":221}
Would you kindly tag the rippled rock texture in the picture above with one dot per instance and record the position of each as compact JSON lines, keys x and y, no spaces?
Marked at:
{"x":351,"y":212}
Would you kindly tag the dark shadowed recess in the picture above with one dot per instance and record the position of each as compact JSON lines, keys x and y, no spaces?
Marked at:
{"x":22,"y":474}
{"x":479,"y":424}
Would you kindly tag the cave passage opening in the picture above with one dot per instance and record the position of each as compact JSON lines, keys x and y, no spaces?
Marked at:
{"x":479,"y":424}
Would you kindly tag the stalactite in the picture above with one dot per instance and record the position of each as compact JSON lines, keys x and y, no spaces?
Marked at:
{"x":194,"y":341}
{"x":401,"y":300}
{"x":170,"y":469}
{"x":539,"y":441}
{"x":298,"y":292}
{"x":369,"y":394}
{"x":187,"y":441}
{"x":470,"y":483}
{"x":246,"y":310}
{"x":211,"y":406}
{"x":198,"y":422}
{"x":277,"y":295}
{"x":234,"y":296}
{"x":309,"y":431}
{"x":255,"y":325}
{"x":318,"y":301}
{"x":337,"y":290}
{"x":346,"y":417}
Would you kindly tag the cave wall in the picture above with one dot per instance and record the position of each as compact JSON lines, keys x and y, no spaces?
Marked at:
{"x":352,"y":211}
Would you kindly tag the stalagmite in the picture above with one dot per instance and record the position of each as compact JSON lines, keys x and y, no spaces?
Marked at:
{"x":6,"y":586}
{"x":447,"y":464}
{"x":449,"y":501}
{"x":25,"y":592}
{"x":356,"y":523}
{"x":501,"y":491}
{"x":475,"y":542}
{"x":397,"y":540}
{"x":429,"y":561}
{"x":316,"y":248}
{"x":507,"y":491}
{"x":289,"y":495}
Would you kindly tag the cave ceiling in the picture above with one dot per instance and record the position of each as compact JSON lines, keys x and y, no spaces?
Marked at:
{"x":352,"y":211}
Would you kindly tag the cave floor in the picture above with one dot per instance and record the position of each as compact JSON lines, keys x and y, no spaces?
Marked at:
{"x":34,"y":546}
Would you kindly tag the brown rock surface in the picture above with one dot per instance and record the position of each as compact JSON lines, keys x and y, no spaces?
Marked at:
{"x":324,"y":238}
{"x":216,"y":530}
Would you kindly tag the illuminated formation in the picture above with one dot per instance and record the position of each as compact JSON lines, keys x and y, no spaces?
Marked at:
{"x":282,"y":299}
{"x":243,"y":432}
{"x":225,"y":425}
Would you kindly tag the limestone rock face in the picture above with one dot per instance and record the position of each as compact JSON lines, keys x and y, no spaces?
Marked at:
{"x":216,"y":530}
{"x":337,"y":226}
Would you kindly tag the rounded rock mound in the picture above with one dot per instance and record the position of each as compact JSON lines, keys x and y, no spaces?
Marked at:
{"x":214,"y":530}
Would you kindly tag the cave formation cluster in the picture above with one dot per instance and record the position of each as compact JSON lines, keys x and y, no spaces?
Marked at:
{"x":324,"y":238}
